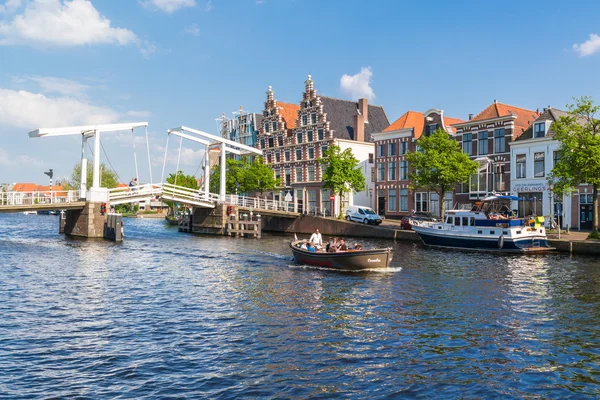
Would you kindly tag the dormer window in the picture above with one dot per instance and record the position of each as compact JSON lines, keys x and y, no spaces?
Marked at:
{"x":539,"y":130}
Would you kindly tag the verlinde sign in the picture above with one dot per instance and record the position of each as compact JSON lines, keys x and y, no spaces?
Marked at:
{"x":528,"y":187}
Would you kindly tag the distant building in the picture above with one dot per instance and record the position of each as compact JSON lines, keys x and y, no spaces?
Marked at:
{"x":395,"y":199}
{"x":486,"y":138}
{"x":294,"y":137}
{"x":242,"y":127}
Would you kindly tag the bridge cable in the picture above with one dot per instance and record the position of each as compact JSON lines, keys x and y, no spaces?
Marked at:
{"x":149,"y":162}
{"x":162,"y":177}
{"x":109,"y":163}
{"x":178,"y":158}
{"x":137,"y":175}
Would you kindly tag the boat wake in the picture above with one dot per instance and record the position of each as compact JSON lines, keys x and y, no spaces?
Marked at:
{"x":380,"y":270}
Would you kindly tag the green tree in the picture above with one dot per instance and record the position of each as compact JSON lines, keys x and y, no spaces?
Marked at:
{"x":108,"y":178}
{"x":439,"y":165}
{"x":579,"y":152}
{"x":235,"y":176}
{"x":342,"y":173}
{"x":258,"y":177}
{"x":180,"y":179}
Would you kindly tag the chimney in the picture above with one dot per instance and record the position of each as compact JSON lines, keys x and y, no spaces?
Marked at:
{"x":470,"y":117}
{"x":360,"y":119}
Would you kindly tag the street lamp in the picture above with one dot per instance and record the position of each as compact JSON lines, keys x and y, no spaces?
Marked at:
{"x":376,"y":199}
{"x":50,"y":173}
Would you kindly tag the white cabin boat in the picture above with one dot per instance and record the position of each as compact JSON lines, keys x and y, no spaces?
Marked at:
{"x":490,"y":226}
{"x":30,"y":212}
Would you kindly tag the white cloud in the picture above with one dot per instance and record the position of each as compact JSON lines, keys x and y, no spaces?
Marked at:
{"x":11,"y":5}
{"x":7,"y":160}
{"x":28,"y":110}
{"x":138,"y":114}
{"x":168,"y":6}
{"x":193,"y":30}
{"x":189,"y":157}
{"x":54,"y":85}
{"x":359,"y":85}
{"x":589,"y":47}
{"x":63,"y":23}
{"x":208,"y":6}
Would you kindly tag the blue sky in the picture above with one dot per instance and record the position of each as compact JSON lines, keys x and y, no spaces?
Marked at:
{"x":184,"y":62}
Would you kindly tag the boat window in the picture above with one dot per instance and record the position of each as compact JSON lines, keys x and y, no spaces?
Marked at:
{"x":505,"y":232}
{"x":457,"y":221}
{"x":449,"y":220}
{"x":465,"y":221}
{"x":480,"y":232}
{"x":472,"y":221}
{"x":518,"y":232}
{"x":492,"y":232}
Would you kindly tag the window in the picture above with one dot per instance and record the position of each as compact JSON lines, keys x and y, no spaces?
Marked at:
{"x":271,"y":142}
{"x":403,"y":199}
{"x":500,"y":183}
{"x":392,"y":201}
{"x":468,"y":144}
{"x":465,"y":221}
{"x":288,"y":177}
{"x":539,"y":130}
{"x":278,"y":177}
{"x":403,"y":147}
{"x":370,"y":158}
{"x":311,"y":173}
{"x":381,"y":172}
{"x":313,"y":118}
{"x":269,"y":158}
{"x":403,"y":170}
{"x":430,"y":129}
{"x":323,"y":150}
{"x":312,"y":199}
{"x":555,"y":158}
{"x":287,"y":156}
{"x":499,"y":141}
{"x":321,"y":134}
{"x":275,"y":126}
{"x":422,"y":201}
{"x":521,"y":164}
{"x":456,"y":221}
{"x":392,"y":149}
{"x":277,"y":157}
{"x":309,"y":136}
{"x":280,"y":141}
{"x":539,"y":165}
{"x":304,"y":120}
{"x":325,"y":202}
{"x":299,"y":137}
{"x":262,"y":143}
{"x":381,"y":150}
{"x":372,"y":174}
{"x":392,"y":171}
{"x":298,"y":174}
{"x":311,"y":153}
{"x":267,"y":127}
{"x":482,"y":147}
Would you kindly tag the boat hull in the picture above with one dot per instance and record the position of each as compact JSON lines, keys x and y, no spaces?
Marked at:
{"x":346,"y":261}
{"x":431,"y":237}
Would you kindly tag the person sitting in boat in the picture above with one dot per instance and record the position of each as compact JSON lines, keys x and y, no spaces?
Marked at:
{"x":342,"y":246}
{"x":303,"y":245}
{"x":333,"y":246}
{"x":357,"y":246}
{"x":316,"y":238}
{"x":310,"y":247}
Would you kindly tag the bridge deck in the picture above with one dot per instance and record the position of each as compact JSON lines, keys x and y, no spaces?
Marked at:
{"x":42,"y":207}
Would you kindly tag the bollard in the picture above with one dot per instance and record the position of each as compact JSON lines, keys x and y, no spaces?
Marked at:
{"x":568,"y":229}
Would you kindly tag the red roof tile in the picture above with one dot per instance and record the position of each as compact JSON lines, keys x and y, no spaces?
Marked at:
{"x":410,"y":119}
{"x":289,"y":113}
{"x":495,"y":110}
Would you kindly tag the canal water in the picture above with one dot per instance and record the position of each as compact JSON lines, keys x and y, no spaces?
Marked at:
{"x":167,"y":314}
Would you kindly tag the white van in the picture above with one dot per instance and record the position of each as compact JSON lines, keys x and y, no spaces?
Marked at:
{"x":363,"y":214}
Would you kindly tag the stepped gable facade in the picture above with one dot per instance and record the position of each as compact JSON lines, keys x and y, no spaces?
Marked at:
{"x":294,"y":137}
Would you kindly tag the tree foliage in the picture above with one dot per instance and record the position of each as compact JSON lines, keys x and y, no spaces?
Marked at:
{"x":180,"y":179}
{"x":342,"y":173}
{"x":243,"y":176}
{"x":440,"y":165}
{"x":579,"y":151}
{"x":108,"y":178}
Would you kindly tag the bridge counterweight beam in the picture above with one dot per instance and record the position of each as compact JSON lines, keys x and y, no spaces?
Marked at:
{"x":223,"y":172}
{"x":96,"y":184}
{"x":206,"y":172}
{"x":83,"y":184}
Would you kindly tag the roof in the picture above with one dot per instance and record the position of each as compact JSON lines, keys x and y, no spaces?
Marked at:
{"x":33,"y":187}
{"x":452,"y":121}
{"x":549,"y":114}
{"x":410,"y":119}
{"x":341,"y":113}
{"x":496,"y":110}
{"x":289,"y":113}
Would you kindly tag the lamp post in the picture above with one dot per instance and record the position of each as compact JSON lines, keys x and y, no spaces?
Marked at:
{"x":551,"y":193}
{"x":376,"y":199}
{"x":50,"y":173}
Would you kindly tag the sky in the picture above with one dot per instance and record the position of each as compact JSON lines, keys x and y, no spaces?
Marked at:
{"x":184,"y":62}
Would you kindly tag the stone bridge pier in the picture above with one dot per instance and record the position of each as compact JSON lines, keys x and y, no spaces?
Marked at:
{"x":87,"y":222}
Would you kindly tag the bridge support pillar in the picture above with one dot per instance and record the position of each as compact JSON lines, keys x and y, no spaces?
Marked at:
{"x":88,"y":222}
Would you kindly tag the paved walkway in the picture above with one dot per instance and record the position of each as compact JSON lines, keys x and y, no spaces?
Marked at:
{"x":573,"y":235}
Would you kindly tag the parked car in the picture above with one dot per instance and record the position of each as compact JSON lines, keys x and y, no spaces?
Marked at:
{"x":363,"y":214}
{"x":407,"y":221}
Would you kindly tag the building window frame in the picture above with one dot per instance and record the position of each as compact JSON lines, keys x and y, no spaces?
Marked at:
{"x":392,"y":200}
{"x":539,"y":130}
{"x":392,"y":166}
{"x":482,"y":143}
{"x":539,"y":164}
{"x":500,"y":140}
{"x":467,"y":144}
{"x":521,"y":166}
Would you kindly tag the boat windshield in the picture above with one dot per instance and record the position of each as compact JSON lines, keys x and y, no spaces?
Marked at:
{"x":369,"y":211}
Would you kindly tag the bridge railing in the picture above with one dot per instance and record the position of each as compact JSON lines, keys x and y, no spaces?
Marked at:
{"x":45,"y":197}
{"x":134,"y":192}
{"x":183,"y":194}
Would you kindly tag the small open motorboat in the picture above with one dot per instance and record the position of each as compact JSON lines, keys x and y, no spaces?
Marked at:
{"x":351,"y":260}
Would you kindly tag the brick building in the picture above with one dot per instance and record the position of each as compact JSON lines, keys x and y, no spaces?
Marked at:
{"x":294,"y":137}
{"x":395,"y":199}
{"x":485,"y":138}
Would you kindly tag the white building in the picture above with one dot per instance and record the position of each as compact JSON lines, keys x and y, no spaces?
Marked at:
{"x":533,"y":156}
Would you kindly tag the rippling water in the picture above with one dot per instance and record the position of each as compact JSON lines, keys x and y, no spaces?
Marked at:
{"x":167,"y":314}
